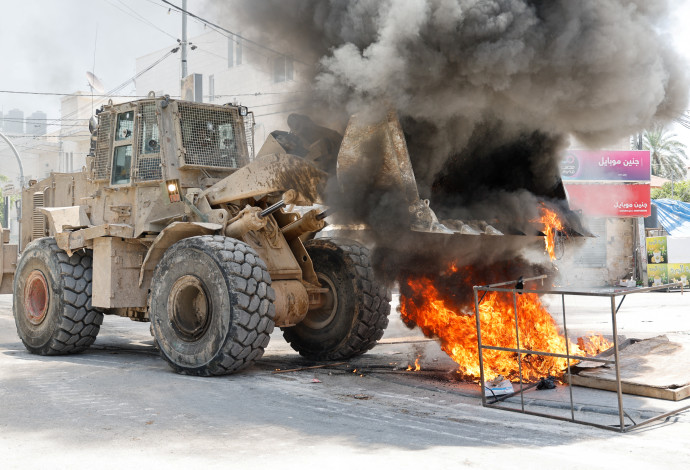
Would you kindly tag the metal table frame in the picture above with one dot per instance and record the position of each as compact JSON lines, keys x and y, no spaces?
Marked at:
{"x":515,"y":290}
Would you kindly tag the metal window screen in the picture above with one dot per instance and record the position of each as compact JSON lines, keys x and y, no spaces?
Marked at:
{"x":125,"y":126}
{"x":38,"y":219}
{"x":148,"y":158}
{"x":593,"y":251}
{"x":211,"y":137}
{"x":249,"y":134}
{"x":105,"y":131}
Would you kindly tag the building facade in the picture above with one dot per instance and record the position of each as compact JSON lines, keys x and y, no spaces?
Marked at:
{"x":232,"y":70}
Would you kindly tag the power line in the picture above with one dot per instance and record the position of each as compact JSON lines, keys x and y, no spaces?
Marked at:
{"x":256,"y":93}
{"x":137,"y":16}
{"x":38,"y":119}
{"x":210,"y":53}
{"x":114,"y":90}
{"x":48,"y":93}
{"x":283,"y":112}
{"x":232,"y":33}
{"x":279,"y":103}
{"x":111,"y":93}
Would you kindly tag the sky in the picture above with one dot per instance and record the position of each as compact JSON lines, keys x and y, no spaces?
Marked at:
{"x":49,"y":45}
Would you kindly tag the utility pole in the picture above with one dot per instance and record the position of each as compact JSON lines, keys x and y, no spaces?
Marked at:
{"x":183,"y":44}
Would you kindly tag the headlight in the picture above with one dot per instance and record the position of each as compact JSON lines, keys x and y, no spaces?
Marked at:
{"x":173,"y":187}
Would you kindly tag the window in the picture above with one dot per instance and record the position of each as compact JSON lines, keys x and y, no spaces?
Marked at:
{"x":211,"y":88}
{"x":209,"y":137}
{"x":148,"y":160}
{"x":234,"y":51}
{"x":148,"y":131}
{"x":288,"y":69}
{"x":122,"y":163}
{"x":238,"y":50}
{"x":125,"y":125}
{"x":66,"y":162}
{"x":122,"y":153}
{"x":282,"y":69}
{"x":105,"y":132}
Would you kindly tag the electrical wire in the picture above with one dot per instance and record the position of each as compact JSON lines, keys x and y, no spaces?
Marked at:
{"x":207,"y":22}
{"x":283,"y":112}
{"x":39,"y":119}
{"x":113,"y":93}
{"x":62,"y":125}
{"x":137,"y":16}
{"x":107,"y":95}
{"x":49,"y":93}
{"x":200,"y":49}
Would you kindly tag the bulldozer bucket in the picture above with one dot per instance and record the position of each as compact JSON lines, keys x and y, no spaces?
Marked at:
{"x":376,"y":153}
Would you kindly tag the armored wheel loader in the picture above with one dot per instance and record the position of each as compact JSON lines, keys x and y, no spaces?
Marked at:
{"x":174,"y":221}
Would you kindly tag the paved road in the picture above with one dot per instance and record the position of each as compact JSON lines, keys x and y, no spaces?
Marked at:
{"x":119,"y":405}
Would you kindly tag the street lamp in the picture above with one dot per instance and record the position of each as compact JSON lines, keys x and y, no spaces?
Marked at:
{"x":21,"y":179}
{"x":19,"y":160}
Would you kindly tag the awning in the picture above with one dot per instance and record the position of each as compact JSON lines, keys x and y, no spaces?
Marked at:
{"x":674,"y":216}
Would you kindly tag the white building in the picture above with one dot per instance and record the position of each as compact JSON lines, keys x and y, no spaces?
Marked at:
{"x":232,"y":70}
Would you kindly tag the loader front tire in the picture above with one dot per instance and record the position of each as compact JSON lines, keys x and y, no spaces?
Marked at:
{"x":211,"y":305}
{"x":355,"y":312}
{"x":52,"y":300}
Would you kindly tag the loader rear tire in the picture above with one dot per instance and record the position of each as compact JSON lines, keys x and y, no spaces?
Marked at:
{"x":211,"y":305}
{"x":355,"y":314}
{"x":52,"y":300}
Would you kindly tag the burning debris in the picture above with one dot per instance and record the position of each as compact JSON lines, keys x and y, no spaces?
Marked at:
{"x":593,"y":344}
{"x":416,"y":368}
{"x":552,"y":226}
{"x":436,"y":306}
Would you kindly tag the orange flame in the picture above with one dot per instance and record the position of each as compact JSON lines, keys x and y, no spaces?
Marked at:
{"x":416,"y":365}
{"x":456,"y":328}
{"x":594,"y":344}
{"x":552,"y":223}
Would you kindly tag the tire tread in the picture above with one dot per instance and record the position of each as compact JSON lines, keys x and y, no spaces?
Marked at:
{"x":78,"y":323}
{"x":372,"y":319}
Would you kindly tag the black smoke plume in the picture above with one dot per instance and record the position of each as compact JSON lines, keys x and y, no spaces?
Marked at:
{"x":488,"y":91}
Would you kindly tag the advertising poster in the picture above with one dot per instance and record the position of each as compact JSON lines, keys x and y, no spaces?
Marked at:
{"x":657,"y":251}
{"x":610,"y":200}
{"x":657,"y":274}
{"x":606,"y":165}
{"x":679,"y":272}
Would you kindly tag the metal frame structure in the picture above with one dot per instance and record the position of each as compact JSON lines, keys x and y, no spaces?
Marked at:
{"x":517,"y":287}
